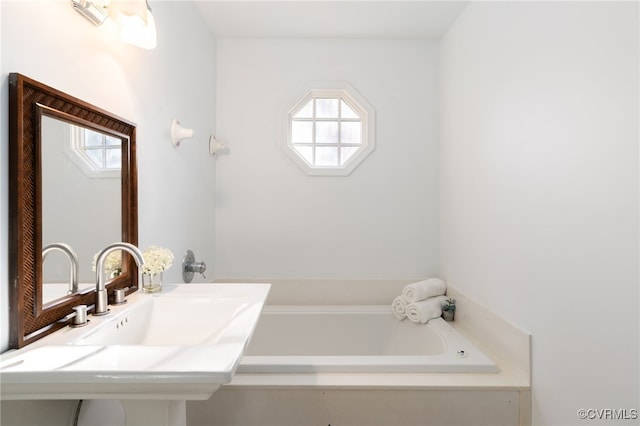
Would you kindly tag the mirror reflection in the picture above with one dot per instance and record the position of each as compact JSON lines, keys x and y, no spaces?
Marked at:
{"x":81,"y":203}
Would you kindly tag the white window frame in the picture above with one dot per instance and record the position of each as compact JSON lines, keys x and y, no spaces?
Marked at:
{"x":357,"y":103}
{"x":75,"y":150}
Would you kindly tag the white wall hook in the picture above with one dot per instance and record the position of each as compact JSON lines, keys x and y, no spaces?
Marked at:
{"x":178,"y":133}
{"x":215,"y":146}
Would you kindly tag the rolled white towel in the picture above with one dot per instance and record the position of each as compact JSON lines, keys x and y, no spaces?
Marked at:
{"x":425,"y":310}
{"x":399,"y":307}
{"x":422,"y":290}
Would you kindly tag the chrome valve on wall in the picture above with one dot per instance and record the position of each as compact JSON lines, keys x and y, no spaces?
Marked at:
{"x":190,"y":266}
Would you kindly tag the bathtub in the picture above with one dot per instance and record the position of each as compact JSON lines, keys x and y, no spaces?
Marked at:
{"x":356,"y":339}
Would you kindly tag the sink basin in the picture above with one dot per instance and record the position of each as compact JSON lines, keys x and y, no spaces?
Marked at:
{"x":182,"y":343}
{"x":184,"y":320}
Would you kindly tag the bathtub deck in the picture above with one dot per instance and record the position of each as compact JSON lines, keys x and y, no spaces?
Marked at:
{"x":503,"y":380}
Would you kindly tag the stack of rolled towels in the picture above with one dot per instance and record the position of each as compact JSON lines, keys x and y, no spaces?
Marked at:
{"x":421,"y":301}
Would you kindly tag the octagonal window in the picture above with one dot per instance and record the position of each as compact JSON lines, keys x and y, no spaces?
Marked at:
{"x":330,"y":131}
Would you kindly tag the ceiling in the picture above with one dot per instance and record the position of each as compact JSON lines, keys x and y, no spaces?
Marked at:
{"x":392,"y":19}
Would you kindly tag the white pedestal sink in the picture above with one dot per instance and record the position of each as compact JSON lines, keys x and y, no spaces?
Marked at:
{"x":152,"y":353}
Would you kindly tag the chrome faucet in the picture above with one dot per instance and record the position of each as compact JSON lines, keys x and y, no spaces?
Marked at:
{"x":73,"y":263}
{"x":101,"y":291}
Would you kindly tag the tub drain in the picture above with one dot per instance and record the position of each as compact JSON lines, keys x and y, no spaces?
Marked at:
{"x":462,"y":353}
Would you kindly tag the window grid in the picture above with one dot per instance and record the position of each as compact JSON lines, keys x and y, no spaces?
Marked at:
{"x":330,"y":130}
{"x":339,"y":119}
{"x":97,"y":154}
{"x":101,"y":158}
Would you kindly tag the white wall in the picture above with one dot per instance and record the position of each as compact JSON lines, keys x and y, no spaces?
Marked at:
{"x":539,"y":189}
{"x":176,"y":80}
{"x":272,"y":220}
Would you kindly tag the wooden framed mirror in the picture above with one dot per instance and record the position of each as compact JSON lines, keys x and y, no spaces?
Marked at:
{"x":36,"y":184}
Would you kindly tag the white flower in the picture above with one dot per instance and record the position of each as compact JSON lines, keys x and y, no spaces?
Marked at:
{"x":156,"y":260}
{"x":112,"y":263}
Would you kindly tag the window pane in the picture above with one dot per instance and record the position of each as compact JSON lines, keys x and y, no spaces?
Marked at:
{"x":306,"y":111}
{"x":326,"y":156}
{"x":111,"y":141}
{"x":302,"y":131}
{"x":346,"y":111}
{"x":306,"y":152}
{"x":114,"y":158}
{"x":96,"y":156}
{"x":327,"y":132}
{"x":346,"y":152}
{"x":327,"y":108}
{"x":351,"y":132}
{"x":92,"y":138}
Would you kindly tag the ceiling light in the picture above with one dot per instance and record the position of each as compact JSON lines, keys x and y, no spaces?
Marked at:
{"x":137,"y":26}
{"x":134,"y":18}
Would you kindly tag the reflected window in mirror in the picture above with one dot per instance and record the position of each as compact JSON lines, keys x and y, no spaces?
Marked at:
{"x":97,"y":154}
{"x":81,"y":193}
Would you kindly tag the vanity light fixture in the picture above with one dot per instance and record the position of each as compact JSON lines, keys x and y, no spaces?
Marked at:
{"x":95,"y":11}
{"x":137,"y":26}
{"x":134,"y":18}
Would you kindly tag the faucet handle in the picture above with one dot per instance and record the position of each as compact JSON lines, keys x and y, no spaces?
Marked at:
{"x":119,"y":296}
{"x":79,"y":316}
{"x":189,"y":266}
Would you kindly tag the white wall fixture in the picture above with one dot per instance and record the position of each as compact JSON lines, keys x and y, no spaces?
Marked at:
{"x":179,"y":133}
{"x":216,"y":147}
{"x":134,"y":18}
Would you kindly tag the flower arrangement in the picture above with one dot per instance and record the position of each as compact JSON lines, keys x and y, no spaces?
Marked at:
{"x":156,"y":260}
{"x":112,"y":263}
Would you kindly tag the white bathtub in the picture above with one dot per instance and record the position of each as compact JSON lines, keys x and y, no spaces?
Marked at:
{"x":357,"y":339}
